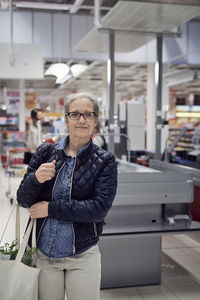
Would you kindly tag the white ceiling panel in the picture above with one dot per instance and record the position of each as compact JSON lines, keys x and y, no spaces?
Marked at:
{"x":139,"y":16}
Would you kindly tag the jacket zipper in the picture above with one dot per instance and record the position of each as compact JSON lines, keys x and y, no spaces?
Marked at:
{"x":52,"y":200}
{"x":56,"y":181}
{"x":95,"y":230}
{"x":70,"y":194}
{"x":41,"y":229}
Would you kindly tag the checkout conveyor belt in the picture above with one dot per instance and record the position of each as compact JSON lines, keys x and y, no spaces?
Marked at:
{"x":149,"y":202}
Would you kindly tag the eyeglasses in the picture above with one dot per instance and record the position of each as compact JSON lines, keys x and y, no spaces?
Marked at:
{"x":76,"y":115}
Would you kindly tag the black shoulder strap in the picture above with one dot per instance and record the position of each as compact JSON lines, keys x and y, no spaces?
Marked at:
{"x":49,"y":152}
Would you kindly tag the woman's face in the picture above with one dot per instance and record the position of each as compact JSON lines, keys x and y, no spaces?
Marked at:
{"x":40,"y":115}
{"x":81,"y":128}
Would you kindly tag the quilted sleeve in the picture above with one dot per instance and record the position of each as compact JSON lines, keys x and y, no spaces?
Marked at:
{"x":29,"y":189}
{"x":90,"y":210}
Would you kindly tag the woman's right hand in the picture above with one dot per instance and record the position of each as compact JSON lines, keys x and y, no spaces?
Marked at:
{"x":45,"y":172}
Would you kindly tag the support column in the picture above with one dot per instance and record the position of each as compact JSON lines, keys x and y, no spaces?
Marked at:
{"x":21,"y":106}
{"x":105,"y":96}
{"x":158,"y":84}
{"x":151,"y":108}
{"x":111,"y":88}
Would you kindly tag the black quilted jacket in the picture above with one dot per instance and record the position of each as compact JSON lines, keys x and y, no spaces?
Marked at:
{"x":93,"y":189}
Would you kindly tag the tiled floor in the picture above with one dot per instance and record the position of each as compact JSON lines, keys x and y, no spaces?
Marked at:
{"x":180,"y":273}
{"x":180,"y":259}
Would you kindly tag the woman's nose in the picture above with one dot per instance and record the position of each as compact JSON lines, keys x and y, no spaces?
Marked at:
{"x":81,"y":119}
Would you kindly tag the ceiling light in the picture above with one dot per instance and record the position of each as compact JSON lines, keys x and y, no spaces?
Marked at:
{"x":63,"y":72}
{"x":78,"y":69}
{"x":60,"y":70}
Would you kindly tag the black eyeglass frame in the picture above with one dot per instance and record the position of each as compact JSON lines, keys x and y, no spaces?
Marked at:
{"x":80,"y":114}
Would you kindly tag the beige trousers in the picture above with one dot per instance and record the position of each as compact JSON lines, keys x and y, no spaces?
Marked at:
{"x":79,"y":276}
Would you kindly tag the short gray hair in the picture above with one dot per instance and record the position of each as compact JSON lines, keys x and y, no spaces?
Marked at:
{"x":75,"y":96}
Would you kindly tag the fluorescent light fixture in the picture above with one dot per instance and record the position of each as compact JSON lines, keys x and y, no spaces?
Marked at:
{"x":56,"y":6}
{"x":195,"y":108}
{"x":108,"y":70}
{"x":78,"y":69}
{"x":182,"y":108}
{"x":156,"y":73}
{"x":42,"y":5}
{"x":188,"y":114}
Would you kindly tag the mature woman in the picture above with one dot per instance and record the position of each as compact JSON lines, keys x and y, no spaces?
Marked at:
{"x":69,"y":190}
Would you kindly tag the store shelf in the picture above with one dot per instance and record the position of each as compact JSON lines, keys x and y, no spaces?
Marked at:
{"x":11,"y":139}
{"x":8,"y":122}
{"x":184,"y":143}
{"x":186,"y":140}
{"x":186,"y":150}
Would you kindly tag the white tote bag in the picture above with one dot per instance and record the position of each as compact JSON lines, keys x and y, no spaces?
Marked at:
{"x":17,"y":280}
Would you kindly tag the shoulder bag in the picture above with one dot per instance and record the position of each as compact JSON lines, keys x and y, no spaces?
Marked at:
{"x":17,"y":280}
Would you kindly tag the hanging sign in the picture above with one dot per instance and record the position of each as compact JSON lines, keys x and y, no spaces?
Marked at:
{"x":12,"y":102}
{"x":30,"y":100}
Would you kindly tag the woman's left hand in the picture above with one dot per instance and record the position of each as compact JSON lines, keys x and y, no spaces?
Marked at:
{"x":39,"y":210}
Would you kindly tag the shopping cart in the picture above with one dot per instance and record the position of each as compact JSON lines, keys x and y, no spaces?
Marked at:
{"x":14,"y":167}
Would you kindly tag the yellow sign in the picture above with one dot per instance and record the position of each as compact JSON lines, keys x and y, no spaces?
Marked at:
{"x":30,"y":100}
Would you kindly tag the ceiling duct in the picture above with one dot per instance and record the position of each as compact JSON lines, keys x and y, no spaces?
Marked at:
{"x":181,"y":76}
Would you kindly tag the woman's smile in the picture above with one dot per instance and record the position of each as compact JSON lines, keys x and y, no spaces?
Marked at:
{"x":82,"y":127}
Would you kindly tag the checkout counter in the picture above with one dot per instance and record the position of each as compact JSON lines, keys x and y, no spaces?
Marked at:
{"x":149,"y":202}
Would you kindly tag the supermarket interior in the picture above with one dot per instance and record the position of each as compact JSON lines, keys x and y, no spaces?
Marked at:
{"x":140,"y":61}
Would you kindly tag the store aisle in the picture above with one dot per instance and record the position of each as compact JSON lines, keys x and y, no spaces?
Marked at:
{"x":180,"y":258}
{"x":10,"y":184}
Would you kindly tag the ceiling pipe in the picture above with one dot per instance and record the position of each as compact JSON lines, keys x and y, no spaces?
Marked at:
{"x":53,"y":6}
{"x":76,"y":6}
{"x":11,"y":54}
{"x":97,"y":14}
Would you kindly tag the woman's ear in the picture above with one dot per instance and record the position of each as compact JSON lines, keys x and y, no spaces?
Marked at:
{"x":95,"y":130}
{"x":66,"y":121}
{"x":96,"y":125}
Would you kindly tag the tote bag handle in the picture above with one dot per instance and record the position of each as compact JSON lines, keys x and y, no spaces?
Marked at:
{"x":17,"y":229}
{"x":7,"y":223}
{"x":24,"y":242}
